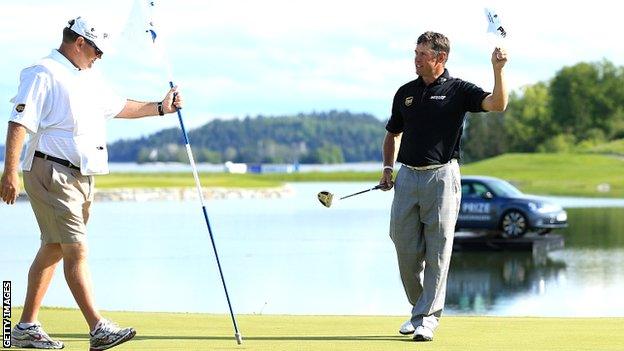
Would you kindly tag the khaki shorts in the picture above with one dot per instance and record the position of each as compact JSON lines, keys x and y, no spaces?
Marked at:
{"x":60,"y":197}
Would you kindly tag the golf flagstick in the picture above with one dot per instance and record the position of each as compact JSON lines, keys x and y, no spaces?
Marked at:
{"x":151,"y":30}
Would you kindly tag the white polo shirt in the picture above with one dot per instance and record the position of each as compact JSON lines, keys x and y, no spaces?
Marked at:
{"x":64,"y":110}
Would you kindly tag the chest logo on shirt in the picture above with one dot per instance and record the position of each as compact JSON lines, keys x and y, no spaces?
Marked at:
{"x":409,"y":100}
{"x":437,"y":97}
{"x":20,"y":108}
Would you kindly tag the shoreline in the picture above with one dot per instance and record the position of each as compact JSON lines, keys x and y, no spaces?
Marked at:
{"x":186,"y":193}
{"x":280,"y":192}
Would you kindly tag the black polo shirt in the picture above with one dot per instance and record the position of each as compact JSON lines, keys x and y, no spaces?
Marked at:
{"x":431,"y":118}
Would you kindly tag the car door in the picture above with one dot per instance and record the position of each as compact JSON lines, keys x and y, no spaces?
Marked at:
{"x":477,"y":210}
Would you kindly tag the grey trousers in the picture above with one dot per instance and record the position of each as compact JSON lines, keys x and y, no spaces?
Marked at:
{"x":422,"y":227}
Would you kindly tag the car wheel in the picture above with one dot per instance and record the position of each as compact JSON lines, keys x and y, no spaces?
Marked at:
{"x":514,"y":224}
{"x":544,"y":231}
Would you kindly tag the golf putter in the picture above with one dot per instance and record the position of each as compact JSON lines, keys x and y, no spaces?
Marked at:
{"x":326,"y":198}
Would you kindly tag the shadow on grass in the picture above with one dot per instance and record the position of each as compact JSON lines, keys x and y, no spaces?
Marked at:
{"x":256,"y":338}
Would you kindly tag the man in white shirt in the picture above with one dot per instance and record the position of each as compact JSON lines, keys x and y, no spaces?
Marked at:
{"x":63,"y":106}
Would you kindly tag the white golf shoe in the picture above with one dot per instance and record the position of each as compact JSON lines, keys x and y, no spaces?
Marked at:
{"x":423,"y":334}
{"x":33,"y":337}
{"x":107,"y":334}
{"x":407,"y":328}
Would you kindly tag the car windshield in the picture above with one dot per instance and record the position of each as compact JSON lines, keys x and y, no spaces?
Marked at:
{"x":503,"y":188}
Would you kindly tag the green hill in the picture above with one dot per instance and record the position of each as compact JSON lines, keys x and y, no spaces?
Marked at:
{"x":556,"y":174}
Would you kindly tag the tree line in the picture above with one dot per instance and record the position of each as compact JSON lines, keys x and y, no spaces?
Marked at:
{"x":325,"y":137}
{"x":581,"y":107}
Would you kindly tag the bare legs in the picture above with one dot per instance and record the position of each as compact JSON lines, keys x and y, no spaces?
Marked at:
{"x":77,"y":276}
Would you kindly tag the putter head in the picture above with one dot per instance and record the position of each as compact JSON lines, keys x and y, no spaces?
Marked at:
{"x":325,"y":197}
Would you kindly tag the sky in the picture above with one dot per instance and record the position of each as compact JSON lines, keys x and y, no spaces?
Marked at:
{"x":247,"y":58}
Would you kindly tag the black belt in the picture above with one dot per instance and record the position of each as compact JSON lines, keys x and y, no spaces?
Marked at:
{"x":56,"y":159}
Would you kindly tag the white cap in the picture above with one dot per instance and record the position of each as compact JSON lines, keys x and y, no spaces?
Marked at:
{"x":90,"y":32}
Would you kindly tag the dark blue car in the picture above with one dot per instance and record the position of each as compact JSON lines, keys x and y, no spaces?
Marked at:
{"x":492,"y":204}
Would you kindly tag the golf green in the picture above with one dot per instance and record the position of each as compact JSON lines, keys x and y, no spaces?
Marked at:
{"x":181,"y":331}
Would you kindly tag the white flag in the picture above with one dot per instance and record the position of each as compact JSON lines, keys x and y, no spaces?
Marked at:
{"x":494,"y":24}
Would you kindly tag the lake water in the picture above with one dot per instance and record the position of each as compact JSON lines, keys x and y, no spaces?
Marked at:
{"x":294,"y":256}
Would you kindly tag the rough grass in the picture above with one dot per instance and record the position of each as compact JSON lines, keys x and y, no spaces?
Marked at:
{"x":178,"y":331}
{"x":614,"y":147}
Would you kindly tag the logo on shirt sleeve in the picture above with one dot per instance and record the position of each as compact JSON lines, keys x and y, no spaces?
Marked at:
{"x":409,"y":100}
{"x":20,"y":108}
{"x":438,"y":97}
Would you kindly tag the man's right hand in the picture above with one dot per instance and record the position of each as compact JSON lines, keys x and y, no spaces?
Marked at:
{"x":9,"y":187}
{"x":10,"y":182}
{"x":386,"y":180}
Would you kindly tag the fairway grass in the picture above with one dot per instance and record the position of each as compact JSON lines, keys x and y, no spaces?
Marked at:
{"x":193,"y":331}
{"x":542,"y":174}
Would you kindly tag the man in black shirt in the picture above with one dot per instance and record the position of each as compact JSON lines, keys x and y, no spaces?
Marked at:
{"x":426,"y":126}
